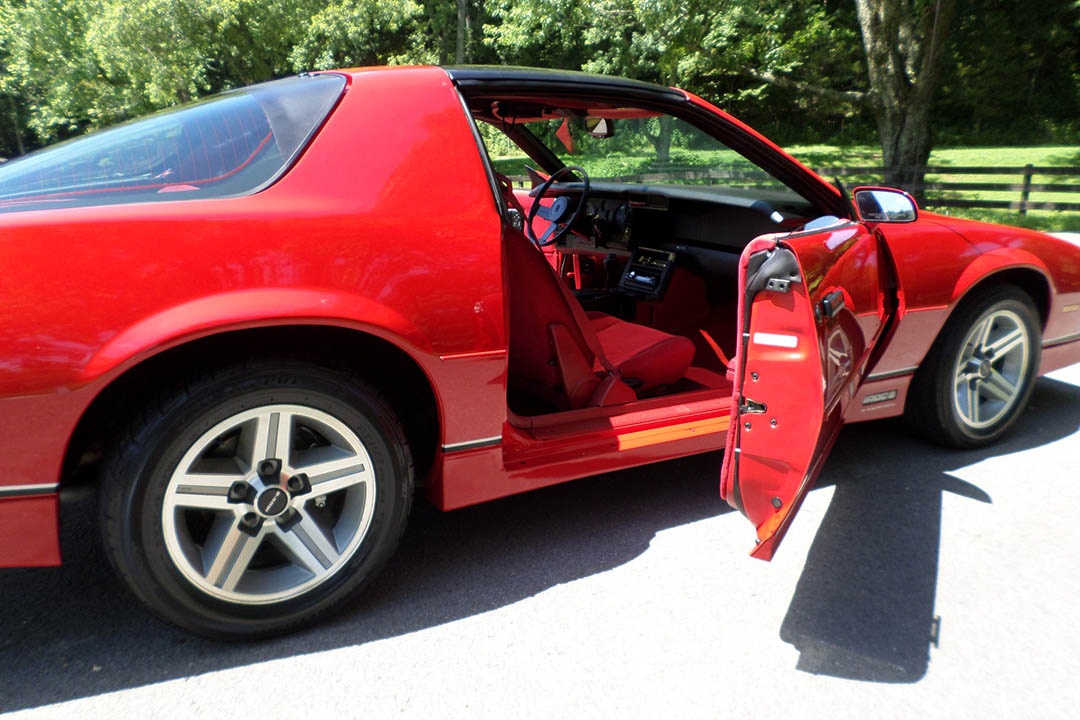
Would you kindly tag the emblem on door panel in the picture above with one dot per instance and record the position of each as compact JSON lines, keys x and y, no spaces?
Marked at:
{"x":838,"y":362}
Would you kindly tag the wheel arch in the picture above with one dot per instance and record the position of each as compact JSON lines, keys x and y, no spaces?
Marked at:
{"x":252,"y":307}
{"x":993,"y":269}
{"x":1030,"y":279}
{"x":399,"y":376}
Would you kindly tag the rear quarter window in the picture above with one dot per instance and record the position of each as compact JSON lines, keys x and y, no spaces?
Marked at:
{"x":229,"y":144}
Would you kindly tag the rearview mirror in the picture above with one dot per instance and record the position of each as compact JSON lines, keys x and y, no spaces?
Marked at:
{"x":885,"y":205}
{"x":600,"y":127}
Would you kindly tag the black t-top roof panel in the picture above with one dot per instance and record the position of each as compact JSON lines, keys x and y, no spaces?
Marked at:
{"x":503,"y":77}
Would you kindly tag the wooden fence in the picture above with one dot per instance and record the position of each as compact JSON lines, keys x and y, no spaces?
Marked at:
{"x":936,"y":194}
{"x":1025,"y":188}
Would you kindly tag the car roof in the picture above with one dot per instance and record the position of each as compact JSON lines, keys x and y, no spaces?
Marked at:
{"x":550,"y":79}
{"x":495,"y":78}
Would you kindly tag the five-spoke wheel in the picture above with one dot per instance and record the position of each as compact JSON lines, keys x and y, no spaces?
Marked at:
{"x":256,"y":498}
{"x":990,"y":368}
{"x":976,"y":379}
{"x":268,"y":503}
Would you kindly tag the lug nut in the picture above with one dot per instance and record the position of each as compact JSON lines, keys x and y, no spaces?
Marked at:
{"x":298,"y":484}
{"x":270,"y":470}
{"x":250,"y":523}
{"x":241,"y":492}
{"x":287,"y":519}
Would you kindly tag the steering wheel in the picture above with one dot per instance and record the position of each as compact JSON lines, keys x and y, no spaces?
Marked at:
{"x":557,"y":214}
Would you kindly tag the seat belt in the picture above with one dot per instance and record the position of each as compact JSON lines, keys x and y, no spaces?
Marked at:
{"x":585,"y":326}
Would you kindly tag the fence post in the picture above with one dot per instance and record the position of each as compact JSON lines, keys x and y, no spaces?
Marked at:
{"x":1025,"y":193}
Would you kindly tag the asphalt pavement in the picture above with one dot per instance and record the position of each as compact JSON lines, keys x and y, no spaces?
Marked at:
{"x":915,"y":582}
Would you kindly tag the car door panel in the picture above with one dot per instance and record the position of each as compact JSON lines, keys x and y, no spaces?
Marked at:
{"x":808,"y":316}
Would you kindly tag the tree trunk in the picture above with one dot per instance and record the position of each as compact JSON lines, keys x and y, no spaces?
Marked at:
{"x":661,"y":141}
{"x":904,"y":40}
{"x":906,"y":141}
{"x":462,"y":18}
{"x":15,"y":125}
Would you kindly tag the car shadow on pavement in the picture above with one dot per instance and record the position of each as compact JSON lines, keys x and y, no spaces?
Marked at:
{"x":863,"y":608}
{"x":73,"y":631}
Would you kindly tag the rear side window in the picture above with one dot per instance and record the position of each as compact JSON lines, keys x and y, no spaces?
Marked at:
{"x":229,"y":144}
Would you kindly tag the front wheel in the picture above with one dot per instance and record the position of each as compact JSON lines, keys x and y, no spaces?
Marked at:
{"x":257,"y":499}
{"x":979,"y":375}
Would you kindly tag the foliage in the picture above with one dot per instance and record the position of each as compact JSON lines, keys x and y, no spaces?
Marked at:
{"x":1010,"y":70}
{"x":348,"y":33}
{"x":81,"y":64}
{"x":1015,"y":75}
{"x":543,"y":33}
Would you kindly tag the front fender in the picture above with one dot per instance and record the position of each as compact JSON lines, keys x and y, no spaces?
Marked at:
{"x":994,"y":261}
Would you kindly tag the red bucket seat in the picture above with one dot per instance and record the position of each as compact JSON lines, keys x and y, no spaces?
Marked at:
{"x":571,"y":359}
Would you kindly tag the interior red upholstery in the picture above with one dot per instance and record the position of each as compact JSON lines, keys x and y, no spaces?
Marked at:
{"x":642,"y":353}
{"x":544,"y":314}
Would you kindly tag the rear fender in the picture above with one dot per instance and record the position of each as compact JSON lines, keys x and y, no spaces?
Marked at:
{"x":252,"y":308}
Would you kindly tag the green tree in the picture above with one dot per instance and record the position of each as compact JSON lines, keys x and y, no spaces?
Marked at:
{"x":83,"y":64}
{"x":1014,"y":75}
{"x":50,"y":65}
{"x":798,"y":69}
{"x":664,"y":41}
{"x":775,"y":62}
{"x":349,"y":33}
{"x":905,"y":41}
{"x":540,"y":33}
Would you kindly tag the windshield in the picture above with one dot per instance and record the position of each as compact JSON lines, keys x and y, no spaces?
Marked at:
{"x":228,"y":144}
{"x":639,"y":147}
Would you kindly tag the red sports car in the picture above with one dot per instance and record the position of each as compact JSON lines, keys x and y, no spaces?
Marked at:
{"x":257,"y":321}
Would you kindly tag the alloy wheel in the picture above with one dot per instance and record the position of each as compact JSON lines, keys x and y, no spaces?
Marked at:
{"x":268,"y":504}
{"x":990,"y":368}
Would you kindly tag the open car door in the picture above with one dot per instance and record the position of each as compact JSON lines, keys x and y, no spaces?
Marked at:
{"x":810,"y":311}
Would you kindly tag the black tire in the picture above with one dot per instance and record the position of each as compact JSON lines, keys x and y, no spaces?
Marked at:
{"x":933,"y":404}
{"x":139,"y":467}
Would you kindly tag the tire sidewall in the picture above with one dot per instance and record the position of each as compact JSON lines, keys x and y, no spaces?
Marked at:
{"x":156,"y":454}
{"x":957,"y":431}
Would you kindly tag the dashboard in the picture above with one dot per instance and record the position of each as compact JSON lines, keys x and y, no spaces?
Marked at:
{"x":621,"y":217}
{"x":653,"y":229}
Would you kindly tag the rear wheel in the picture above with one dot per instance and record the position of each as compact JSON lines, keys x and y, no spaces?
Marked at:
{"x":979,"y":375}
{"x":257,"y":498}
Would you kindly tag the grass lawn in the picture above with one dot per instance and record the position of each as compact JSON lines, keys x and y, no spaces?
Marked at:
{"x":825,"y":156}
{"x":1053,"y":155}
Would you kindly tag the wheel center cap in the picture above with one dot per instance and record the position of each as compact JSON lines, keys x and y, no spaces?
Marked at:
{"x":272,"y":502}
{"x":984,"y":370}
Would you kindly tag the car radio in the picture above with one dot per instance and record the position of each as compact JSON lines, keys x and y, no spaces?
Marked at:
{"x":648,"y":272}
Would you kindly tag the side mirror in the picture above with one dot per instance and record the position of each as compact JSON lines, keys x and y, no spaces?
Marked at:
{"x":600,"y":127}
{"x":885,"y":205}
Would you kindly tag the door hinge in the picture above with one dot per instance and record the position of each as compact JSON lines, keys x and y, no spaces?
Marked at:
{"x":513,"y":216}
{"x":752,"y":407}
{"x":778,"y":285}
